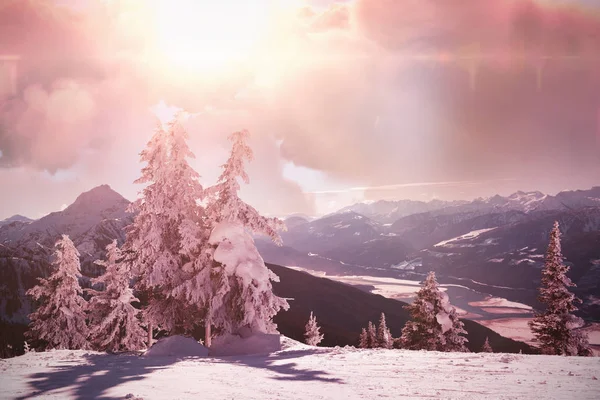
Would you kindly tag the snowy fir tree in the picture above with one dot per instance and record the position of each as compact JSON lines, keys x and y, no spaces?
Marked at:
{"x":164,"y":242}
{"x":555,"y":329}
{"x":244,"y":298}
{"x":60,"y":320}
{"x":114,"y":322}
{"x":384,"y":336}
{"x":363,"y":339}
{"x":486,"y":348}
{"x":368,"y":337}
{"x":313,"y":333}
{"x":434,"y":324}
{"x":371,"y":336}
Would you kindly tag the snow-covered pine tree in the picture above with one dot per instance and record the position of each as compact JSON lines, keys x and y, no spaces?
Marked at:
{"x":114,"y":322}
{"x":371,"y":336}
{"x":434,"y":324}
{"x":26,"y":347}
{"x":486,"y":348}
{"x":244,"y":297}
{"x":313,"y":333}
{"x":199,"y":280}
{"x":363,"y":339}
{"x":384,"y":336}
{"x":164,"y":242}
{"x":556,"y":328}
{"x":60,"y":320}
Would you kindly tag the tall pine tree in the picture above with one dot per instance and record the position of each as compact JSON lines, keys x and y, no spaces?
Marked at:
{"x":244,"y":298}
{"x":115,"y":324}
{"x":434,"y":324}
{"x":164,"y":242}
{"x":60,"y":320}
{"x":555,"y":329}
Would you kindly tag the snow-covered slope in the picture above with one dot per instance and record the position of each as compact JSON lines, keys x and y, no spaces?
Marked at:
{"x":301,"y":372}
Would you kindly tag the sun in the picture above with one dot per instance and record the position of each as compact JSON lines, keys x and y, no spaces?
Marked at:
{"x":209,"y":34}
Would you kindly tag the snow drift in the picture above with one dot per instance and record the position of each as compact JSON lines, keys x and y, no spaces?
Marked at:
{"x":177,"y":346}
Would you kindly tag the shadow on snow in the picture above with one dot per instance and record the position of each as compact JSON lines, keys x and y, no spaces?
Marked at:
{"x":102,"y":372}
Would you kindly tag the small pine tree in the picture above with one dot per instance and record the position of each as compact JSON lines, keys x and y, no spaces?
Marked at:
{"x":26,"y":348}
{"x":486,"y":348}
{"x":434,"y":324}
{"x":371,"y":336}
{"x":556,"y":328}
{"x":313,"y":334}
{"x":384,"y":336}
{"x":60,"y":320}
{"x":115,"y":323}
{"x":363,"y":339}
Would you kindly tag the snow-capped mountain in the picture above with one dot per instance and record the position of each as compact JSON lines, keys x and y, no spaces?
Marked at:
{"x":95,"y":218}
{"x":15,"y":218}
{"x":92,"y":221}
{"x":491,"y":245}
{"x":387,"y":212}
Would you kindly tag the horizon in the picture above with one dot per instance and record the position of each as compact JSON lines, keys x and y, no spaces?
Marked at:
{"x":65,"y":205}
{"x":346,"y":101}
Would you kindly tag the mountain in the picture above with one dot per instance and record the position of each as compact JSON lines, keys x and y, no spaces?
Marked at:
{"x":493,"y":245}
{"x":343,"y":310}
{"x":387,"y":212}
{"x":15,"y":218}
{"x":95,"y":219}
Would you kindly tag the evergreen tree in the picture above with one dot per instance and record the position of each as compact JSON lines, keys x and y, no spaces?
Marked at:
{"x":384,"y":336}
{"x":244,"y":297}
{"x":60,"y":320}
{"x":363,"y":340}
{"x":164,"y":243}
{"x":371,"y":336}
{"x":114,"y":322}
{"x":434,"y":324}
{"x":556,"y":328}
{"x":313,"y":334}
{"x":486,"y":348}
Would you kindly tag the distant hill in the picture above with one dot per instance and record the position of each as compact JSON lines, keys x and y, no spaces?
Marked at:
{"x":343,"y":310}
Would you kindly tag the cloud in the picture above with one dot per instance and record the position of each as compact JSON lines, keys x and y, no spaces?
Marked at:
{"x":371,"y":93}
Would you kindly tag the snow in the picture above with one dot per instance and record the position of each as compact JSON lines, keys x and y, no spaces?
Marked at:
{"x":499,"y":302}
{"x":177,"y":346}
{"x":234,"y":345}
{"x":470,"y":235}
{"x":300,"y":372}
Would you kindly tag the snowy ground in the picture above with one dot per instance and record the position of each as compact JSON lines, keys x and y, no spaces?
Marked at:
{"x":300,"y":372}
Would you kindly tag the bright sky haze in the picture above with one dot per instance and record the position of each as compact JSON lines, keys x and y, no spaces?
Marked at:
{"x":346,"y":101}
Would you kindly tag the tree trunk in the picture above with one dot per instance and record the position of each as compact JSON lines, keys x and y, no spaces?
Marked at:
{"x":207,"y":339}
{"x":149,"y":334}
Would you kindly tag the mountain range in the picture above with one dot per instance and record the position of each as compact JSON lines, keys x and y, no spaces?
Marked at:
{"x":495,"y":246}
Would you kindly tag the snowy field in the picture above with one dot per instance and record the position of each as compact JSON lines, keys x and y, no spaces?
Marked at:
{"x":300,"y":372}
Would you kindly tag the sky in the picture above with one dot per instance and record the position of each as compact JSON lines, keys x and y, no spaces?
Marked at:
{"x":346,"y":101}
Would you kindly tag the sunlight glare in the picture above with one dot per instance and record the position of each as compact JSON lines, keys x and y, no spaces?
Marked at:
{"x":202,"y":34}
